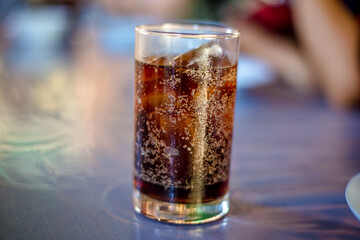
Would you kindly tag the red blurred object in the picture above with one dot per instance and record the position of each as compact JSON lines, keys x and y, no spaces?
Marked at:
{"x":276,"y":18}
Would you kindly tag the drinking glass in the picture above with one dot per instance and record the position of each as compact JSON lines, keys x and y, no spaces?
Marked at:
{"x":185,"y":87}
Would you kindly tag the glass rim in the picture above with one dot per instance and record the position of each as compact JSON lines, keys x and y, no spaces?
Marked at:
{"x":179,"y":30}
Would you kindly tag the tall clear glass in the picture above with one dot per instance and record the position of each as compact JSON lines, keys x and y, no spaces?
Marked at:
{"x":185,"y":87}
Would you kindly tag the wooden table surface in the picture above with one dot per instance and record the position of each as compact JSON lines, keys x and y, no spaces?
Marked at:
{"x":66,"y":157}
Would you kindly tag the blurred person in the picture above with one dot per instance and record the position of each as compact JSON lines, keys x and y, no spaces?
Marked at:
{"x":312,"y":45}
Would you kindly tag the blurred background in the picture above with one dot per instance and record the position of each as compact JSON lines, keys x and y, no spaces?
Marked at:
{"x":37,"y":37}
{"x":70,"y":63}
{"x":279,"y":40}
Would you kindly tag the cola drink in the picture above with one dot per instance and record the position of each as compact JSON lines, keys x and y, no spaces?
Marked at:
{"x":184,"y":108}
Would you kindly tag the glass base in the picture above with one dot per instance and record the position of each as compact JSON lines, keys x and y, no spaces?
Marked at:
{"x":180,"y":213}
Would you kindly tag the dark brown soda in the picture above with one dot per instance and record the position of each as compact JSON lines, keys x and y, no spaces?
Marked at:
{"x":183,"y":129}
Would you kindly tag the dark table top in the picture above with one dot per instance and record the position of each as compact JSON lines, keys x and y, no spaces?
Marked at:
{"x":66,"y":157}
